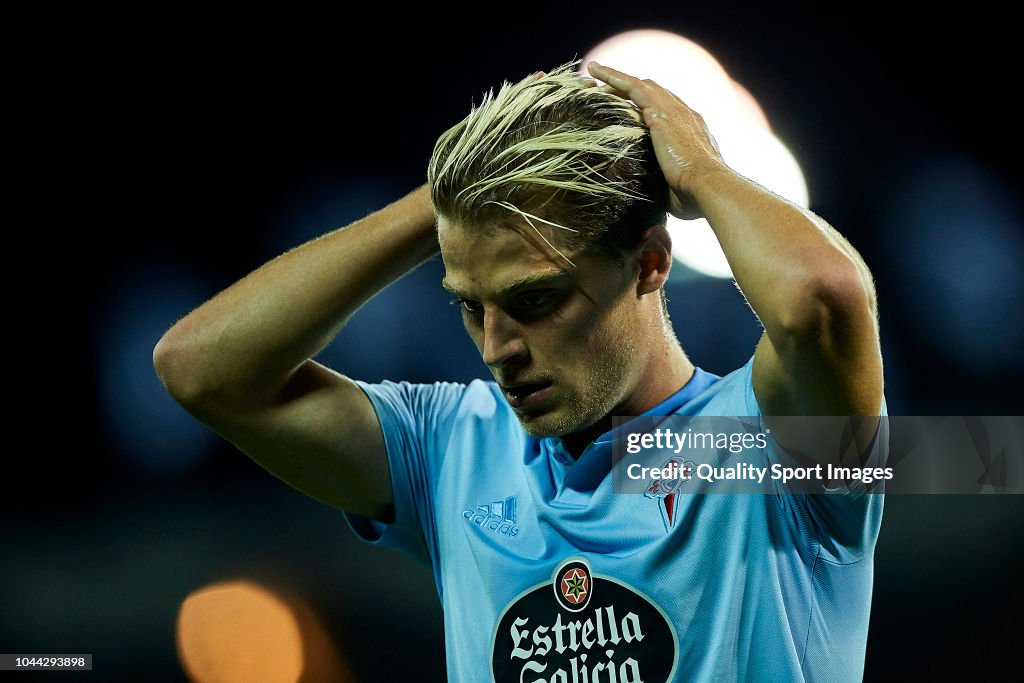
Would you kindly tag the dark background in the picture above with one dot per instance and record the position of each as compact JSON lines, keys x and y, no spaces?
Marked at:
{"x":205,"y":143}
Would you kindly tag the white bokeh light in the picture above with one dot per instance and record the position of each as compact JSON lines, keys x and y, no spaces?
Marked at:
{"x":732,"y":114}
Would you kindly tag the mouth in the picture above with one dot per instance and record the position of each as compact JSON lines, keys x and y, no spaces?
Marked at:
{"x":526,"y":394}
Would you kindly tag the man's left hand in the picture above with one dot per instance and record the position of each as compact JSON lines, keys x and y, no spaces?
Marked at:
{"x":685,"y":148}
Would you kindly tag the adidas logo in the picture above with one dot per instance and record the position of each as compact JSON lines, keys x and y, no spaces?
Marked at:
{"x":498,"y":516}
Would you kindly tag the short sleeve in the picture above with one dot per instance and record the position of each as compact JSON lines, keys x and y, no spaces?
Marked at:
{"x":849,"y":517}
{"x":846,"y":520}
{"x":416,"y":421}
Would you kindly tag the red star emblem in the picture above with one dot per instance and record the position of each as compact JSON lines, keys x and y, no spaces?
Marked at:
{"x":574,"y":586}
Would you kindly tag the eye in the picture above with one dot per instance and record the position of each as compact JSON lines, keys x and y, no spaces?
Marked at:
{"x":531,"y":300}
{"x":468,"y":305}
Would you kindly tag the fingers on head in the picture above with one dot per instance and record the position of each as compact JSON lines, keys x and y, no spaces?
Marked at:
{"x":613,"y":90}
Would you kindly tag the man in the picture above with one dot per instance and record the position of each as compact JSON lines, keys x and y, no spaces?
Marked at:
{"x":549,"y":201}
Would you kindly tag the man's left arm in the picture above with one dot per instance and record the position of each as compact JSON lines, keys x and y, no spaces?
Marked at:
{"x":820,"y":352}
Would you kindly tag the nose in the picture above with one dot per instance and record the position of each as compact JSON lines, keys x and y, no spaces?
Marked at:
{"x":502,"y":339}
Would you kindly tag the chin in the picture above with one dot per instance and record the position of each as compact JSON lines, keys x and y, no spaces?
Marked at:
{"x":540,"y":428}
{"x":553,"y":424}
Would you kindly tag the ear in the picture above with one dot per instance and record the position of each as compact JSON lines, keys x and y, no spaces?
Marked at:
{"x":654,"y":258}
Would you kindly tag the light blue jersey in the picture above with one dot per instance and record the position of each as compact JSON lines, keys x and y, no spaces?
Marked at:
{"x":547,"y":574}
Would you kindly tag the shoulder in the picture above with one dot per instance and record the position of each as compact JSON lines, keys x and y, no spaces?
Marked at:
{"x":450,"y":399}
{"x":731,"y":394}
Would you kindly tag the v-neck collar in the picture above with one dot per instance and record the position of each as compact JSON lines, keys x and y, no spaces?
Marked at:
{"x":575,"y":479}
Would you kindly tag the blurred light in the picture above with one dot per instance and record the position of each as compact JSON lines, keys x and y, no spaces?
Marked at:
{"x":763,"y":158}
{"x":240,"y":632}
{"x":732,"y":114}
{"x":678,"y":64}
{"x":143,"y":419}
{"x":750,"y":110}
{"x":955,"y":231}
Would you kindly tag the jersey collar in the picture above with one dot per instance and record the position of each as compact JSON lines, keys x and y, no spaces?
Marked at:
{"x":696,"y":385}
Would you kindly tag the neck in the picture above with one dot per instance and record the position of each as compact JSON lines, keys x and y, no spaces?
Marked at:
{"x":668,"y":372}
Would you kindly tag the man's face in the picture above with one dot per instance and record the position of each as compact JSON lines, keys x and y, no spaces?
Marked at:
{"x":559,"y":340}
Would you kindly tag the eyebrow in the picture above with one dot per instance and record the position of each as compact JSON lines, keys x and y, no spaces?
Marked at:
{"x":547,"y":277}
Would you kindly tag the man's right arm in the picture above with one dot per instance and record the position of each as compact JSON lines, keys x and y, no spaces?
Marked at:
{"x":242,"y":361}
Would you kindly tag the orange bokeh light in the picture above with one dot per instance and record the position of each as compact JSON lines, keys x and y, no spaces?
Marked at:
{"x":237,"y":631}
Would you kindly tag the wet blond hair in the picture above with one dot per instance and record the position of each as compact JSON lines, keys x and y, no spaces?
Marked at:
{"x":552,"y":151}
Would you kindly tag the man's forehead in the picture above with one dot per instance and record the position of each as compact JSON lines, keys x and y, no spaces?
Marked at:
{"x":456,"y":230}
{"x":505,"y":239}
{"x":492,"y":259}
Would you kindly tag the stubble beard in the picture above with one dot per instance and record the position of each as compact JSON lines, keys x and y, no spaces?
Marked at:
{"x":584,"y":407}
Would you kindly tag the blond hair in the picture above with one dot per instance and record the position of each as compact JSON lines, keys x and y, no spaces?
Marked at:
{"x":554,"y":151}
